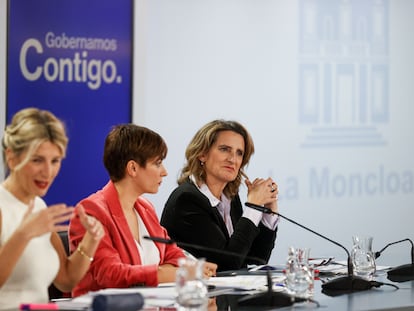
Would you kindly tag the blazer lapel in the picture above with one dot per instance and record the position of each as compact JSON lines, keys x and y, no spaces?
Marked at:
{"x":212,"y":209}
{"x":111,"y":197}
{"x":219,"y":220}
{"x":235,"y":211}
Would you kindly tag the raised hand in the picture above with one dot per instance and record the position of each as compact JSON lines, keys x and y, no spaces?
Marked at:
{"x":91,"y":224}
{"x":51,"y":219}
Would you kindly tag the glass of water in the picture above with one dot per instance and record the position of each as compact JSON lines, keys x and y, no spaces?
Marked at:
{"x":299,"y":276}
{"x":363,"y":259}
{"x":190,"y":285}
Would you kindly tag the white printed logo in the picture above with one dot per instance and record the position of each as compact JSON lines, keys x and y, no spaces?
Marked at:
{"x":78,"y":68}
{"x":343,"y":72}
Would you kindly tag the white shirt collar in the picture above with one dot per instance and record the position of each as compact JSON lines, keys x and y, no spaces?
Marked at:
{"x":206,"y":191}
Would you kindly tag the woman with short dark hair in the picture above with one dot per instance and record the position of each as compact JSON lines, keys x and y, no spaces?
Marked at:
{"x":133,"y":157}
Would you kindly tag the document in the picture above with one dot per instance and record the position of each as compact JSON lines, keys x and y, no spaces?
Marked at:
{"x":340,"y":267}
{"x":161,"y":296}
{"x":165,"y":294}
{"x":244,"y":282}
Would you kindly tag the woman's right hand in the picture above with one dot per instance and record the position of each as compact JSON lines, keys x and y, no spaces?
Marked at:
{"x":166,"y":273}
{"x":209,"y":269}
{"x":51,"y":219}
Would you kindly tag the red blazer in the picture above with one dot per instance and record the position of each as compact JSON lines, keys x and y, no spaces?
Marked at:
{"x":117,"y":263}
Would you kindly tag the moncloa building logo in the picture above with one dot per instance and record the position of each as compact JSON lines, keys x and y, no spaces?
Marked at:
{"x":343,"y":72}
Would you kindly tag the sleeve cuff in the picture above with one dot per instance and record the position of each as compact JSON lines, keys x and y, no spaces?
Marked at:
{"x":255,"y":216}
{"x":270,"y":221}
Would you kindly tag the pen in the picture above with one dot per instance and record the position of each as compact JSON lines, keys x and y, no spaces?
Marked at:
{"x":39,"y":306}
{"x":226,"y":273}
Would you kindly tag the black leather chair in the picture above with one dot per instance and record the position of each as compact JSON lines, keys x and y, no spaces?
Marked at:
{"x":55,"y":293}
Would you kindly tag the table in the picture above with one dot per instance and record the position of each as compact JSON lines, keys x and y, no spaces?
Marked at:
{"x":382,"y":298}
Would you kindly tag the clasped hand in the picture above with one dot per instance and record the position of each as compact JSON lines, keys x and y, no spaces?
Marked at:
{"x":263,"y":192}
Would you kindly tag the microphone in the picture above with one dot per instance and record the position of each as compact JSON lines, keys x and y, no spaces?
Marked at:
{"x":268,"y":299}
{"x":401,"y":273}
{"x":342,"y":285}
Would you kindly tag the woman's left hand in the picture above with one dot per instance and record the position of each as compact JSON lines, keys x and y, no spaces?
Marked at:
{"x":91,"y":224}
{"x":274,"y":194}
{"x":262,"y":192}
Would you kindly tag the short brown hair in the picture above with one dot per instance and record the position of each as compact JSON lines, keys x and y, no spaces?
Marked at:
{"x":127,"y":142}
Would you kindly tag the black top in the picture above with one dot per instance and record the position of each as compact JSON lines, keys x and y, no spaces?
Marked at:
{"x":189,"y":218}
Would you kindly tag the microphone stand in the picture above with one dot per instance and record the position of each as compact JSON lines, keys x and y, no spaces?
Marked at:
{"x":401,"y":273}
{"x":341,"y":285}
{"x":271,"y":298}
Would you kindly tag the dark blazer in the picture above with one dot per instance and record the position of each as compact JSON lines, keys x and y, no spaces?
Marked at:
{"x":189,"y":218}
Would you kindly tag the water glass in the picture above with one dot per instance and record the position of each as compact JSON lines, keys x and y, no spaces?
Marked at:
{"x":363,"y":259}
{"x":299,"y":274}
{"x":190,"y":285}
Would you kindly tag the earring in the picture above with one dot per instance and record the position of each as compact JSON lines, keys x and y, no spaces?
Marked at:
{"x":201,"y":163}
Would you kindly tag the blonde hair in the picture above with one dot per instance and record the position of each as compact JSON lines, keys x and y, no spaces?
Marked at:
{"x":202,"y":142}
{"x":29,"y":128}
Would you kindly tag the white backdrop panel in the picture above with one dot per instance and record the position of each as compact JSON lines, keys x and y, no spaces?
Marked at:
{"x":325,"y":87}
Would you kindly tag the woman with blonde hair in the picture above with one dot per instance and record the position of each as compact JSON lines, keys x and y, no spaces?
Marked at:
{"x":32,"y":255}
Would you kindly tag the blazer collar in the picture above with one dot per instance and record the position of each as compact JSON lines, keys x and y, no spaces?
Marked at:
{"x":111,"y":197}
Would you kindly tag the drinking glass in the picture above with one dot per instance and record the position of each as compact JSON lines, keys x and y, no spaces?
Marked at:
{"x":363,"y":259}
{"x":190,"y":285}
{"x":299,"y":274}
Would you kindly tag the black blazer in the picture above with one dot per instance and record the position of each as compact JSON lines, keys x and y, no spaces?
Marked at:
{"x":189,"y":218}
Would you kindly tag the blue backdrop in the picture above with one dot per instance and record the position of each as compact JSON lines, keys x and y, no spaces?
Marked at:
{"x":73,"y":58}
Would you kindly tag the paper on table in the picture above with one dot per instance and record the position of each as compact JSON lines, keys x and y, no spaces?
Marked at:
{"x":332,"y":269}
{"x":243,"y":282}
{"x":321,"y":261}
{"x":165,"y":294}
{"x":153,"y":296}
{"x":377,"y":267}
{"x":161,"y":296}
{"x":341,"y":267}
{"x":147,"y":292}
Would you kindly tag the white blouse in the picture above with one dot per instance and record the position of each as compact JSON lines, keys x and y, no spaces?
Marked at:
{"x":39,"y":263}
{"x":148,"y":252}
